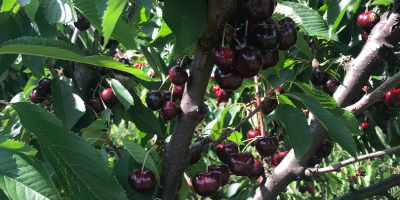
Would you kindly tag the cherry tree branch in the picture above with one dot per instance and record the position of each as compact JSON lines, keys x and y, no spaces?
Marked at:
{"x":380,"y":188}
{"x":336,"y":167}
{"x":374,"y":96}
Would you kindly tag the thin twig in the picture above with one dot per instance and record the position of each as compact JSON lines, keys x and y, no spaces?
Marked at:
{"x":260,"y":117}
{"x":51,"y":68}
{"x":189,"y":182}
{"x":112,"y":145}
{"x":336,"y":167}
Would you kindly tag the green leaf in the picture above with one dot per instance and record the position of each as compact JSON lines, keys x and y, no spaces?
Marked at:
{"x":164,"y":36}
{"x":144,"y":3}
{"x":139,"y":154}
{"x":36,"y":63}
{"x":143,"y":117}
{"x":308,"y":19}
{"x":44,"y":28}
{"x":64,"y":51}
{"x":94,"y":133}
{"x":335,"y":13}
{"x":79,"y":167}
{"x":9,"y":30}
{"x":31,"y":9}
{"x":58,"y":11}
{"x":110,"y":17}
{"x":121,"y":92}
{"x":23,"y":2}
{"x":348,"y":119}
{"x":150,"y":60}
{"x":67,"y":103}
{"x":323,"y":98}
{"x":187,"y":20}
{"x":382,"y":2}
{"x":296,"y":127}
{"x":25,"y":177}
{"x":336,"y":129}
{"x":236,"y":137}
{"x":17,"y":146}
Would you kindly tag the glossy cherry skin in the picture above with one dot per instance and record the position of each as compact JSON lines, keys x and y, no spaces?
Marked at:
{"x":252,"y":134}
{"x":36,"y":96}
{"x":289,"y":36}
{"x":270,"y":59}
{"x":330,"y":86}
{"x":154,"y":100}
{"x":268,"y":105}
{"x":44,"y":86}
{"x":178,"y":76}
{"x":169,"y":110}
{"x":364,"y":125}
{"x":96,"y":104}
{"x":206,"y":184}
{"x":195,"y":158}
{"x":240,"y":164}
{"x":267,"y":146}
{"x":166,"y":96}
{"x":222,"y":171}
{"x":257,"y":170}
{"x":109,"y":97}
{"x":258,"y":10}
{"x":82,"y":23}
{"x":315,"y":159}
{"x":248,"y":62}
{"x":227,"y":80}
{"x":285,"y":20}
{"x":223,"y":151}
{"x":141,"y":180}
{"x":319,"y":77}
{"x":368,"y":20}
{"x":392,"y":98}
{"x":325,"y":148}
{"x":178,"y":92}
{"x":266,"y":37}
{"x":278,"y":157}
{"x":224,"y":58}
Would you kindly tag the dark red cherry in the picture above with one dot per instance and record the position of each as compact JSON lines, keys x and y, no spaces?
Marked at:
{"x":266,"y":37}
{"x":257,"y":170}
{"x":285,"y":20}
{"x":170,"y":110}
{"x":141,"y":180}
{"x":224,"y":96}
{"x":368,"y":20}
{"x":109,"y":97}
{"x":166,"y":96}
{"x":365,"y":37}
{"x":270,"y":59}
{"x":319,"y":77}
{"x":268,"y":105}
{"x":258,"y":10}
{"x":154,"y":100}
{"x":310,"y":190}
{"x":195,"y":158}
{"x":330,"y":86}
{"x":248,"y":62}
{"x":252,"y":134}
{"x":272,"y":92}
{"x":44,"y":86}
{"x":224,"y":58}
{"x":227,"y":80}
{"x":96,"y":104}
{"x":315,"y":159}
{"x":289,"y":36}
{"x":222,"y":171}
{"x":325,"y":148}
{"x":178,"y":76}
{"x":110,"y":43}
{"x":392,"y":98}
{"x":303,"y":189}
{"x":206,"y":184}
{"x":178,"y":92}
{"x":267,"y":146}
{"x":240,"y":164}
{"x":223,"y":150}
{"x":36,"y":96}
{"x":364,"y":125}
{"x":82,"y":23}
{"x":124,"y":61}
{"x":278,"y":157}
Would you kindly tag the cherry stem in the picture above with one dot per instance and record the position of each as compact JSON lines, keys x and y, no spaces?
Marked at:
{"x":208,"y":158}
{"x":251,"y":141}
{"x":237,"y":141}
{"x":260,"y":117}
{"x":172,"y":92}
{"x":145,"y":158}
{"x":166,"y":78}
{"x":237,"y":41}
{"x":246,"y":27}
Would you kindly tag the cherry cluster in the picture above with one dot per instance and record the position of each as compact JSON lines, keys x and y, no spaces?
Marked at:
{"x":257,"y":44}
{"x":222,"y":96}
{"x":41,"y":92}
{"x":165,"y":100}
{"x":323,"y":151}
{"x":322,"y":78}
{"x":303,"y":189}
{"x":109,"y":98}
{"x":367,"y":21}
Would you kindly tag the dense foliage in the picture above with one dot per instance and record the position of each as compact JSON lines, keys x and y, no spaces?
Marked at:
{"x":140,"y":99}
